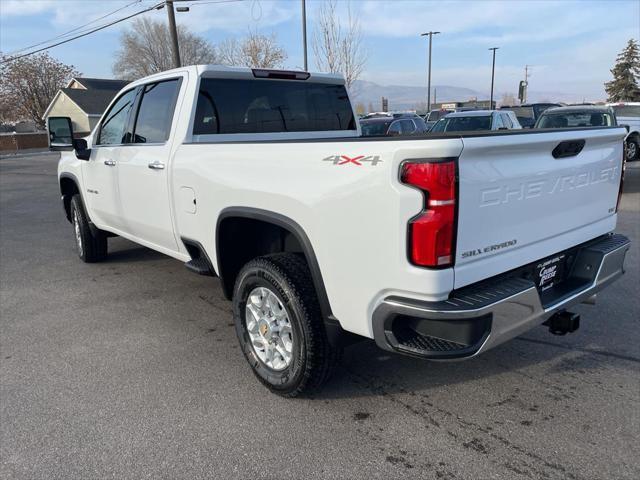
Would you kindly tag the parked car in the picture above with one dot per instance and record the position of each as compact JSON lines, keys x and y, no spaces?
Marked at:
{"x":628,"y":115}
{"x":577,"y":116}
{"x":437,"y":248}
{"x":376,"y":115}
{"x":528,"y":113}
{"x":434,"y":115}
{"x":477,"y":120}
{"x":400,"y":125}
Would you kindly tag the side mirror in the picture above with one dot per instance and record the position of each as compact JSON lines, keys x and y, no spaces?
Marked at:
{"x":80,"y":147}
{"x":627,"y":127}
{"x":60,"y":133}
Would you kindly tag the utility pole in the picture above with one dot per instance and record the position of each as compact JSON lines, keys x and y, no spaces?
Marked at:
{"x":526,"y":81}
{"x":304,"y":33}
{"x":430,"y":34}
{"x":174,"y":34}
{"x":493,"y":71}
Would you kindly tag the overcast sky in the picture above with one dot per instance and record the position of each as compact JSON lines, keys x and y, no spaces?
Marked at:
{"x":570,"y":44}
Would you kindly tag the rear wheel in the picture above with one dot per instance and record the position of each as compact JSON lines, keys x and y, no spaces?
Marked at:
{"x":280,"y":326}
{"x":632,"y":151}
{"x":90,"y":244}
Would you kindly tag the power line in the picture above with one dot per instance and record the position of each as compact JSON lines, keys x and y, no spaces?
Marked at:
{"x":65,"y":34}
{"x":101,"y":27}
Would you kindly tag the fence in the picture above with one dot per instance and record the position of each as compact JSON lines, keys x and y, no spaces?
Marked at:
{"x":13,"y":142}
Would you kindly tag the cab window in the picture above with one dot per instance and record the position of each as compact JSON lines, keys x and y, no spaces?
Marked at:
{"x":229,"y":106}
{"x":407,"y":126}
{"x":112,"y":130}
{"x":155,"y":114}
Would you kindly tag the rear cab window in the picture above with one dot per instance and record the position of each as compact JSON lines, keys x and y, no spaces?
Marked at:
{"x":253,"y":106}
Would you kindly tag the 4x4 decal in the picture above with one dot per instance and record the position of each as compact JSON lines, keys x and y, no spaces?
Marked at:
{"x":358,"y":160}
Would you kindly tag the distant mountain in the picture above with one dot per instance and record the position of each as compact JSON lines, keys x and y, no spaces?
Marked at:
{"x":403,"y":97}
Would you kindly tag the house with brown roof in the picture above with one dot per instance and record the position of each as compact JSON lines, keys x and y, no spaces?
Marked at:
{"x":84,"y":100}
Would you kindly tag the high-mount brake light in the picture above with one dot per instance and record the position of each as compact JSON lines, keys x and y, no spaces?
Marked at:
{"x":432,"y":232}
{"x":280,"y":74}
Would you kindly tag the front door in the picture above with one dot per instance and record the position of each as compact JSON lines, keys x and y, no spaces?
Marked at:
{"x":100,"y":172}
{"x":143,"y":167}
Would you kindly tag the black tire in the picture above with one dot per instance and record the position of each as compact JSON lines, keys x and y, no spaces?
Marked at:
{"x":632,"y":149}
{"x":91,"y":245}
{"x":313,"y":358}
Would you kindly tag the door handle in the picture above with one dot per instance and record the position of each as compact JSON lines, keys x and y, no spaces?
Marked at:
{"x":156,"y":165}
{"x":110,"y":163}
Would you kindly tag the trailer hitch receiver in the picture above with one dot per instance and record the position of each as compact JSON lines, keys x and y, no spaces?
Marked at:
{"x":563,"y":322}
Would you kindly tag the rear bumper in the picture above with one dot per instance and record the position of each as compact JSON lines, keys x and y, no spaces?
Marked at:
{"x":481,"y":316}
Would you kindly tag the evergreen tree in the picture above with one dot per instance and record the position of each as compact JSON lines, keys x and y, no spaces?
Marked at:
{"x":626,"y":73}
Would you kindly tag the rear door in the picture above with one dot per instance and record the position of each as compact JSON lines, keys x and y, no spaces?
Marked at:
{"x":143,"y":166}
{"x":518,"y":203}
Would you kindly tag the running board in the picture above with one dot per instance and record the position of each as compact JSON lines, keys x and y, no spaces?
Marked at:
{"x":199,"y":266}
{"x":199,"y":262}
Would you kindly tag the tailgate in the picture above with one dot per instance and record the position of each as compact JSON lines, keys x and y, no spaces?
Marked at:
{"x":518,"y":204}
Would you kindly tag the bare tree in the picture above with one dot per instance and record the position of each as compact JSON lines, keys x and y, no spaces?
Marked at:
{"x":509,"y":100}
{"x":254,"y":51}
{"x":337,"y":48}
{"x":146,"y":49}
{"x":28,"y":84}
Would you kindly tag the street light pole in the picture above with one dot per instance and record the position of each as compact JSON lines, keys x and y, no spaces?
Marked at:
{"x":304,"y":32}
{"x":430,"y":34}
{"x":174,"y":34}
{"x":493,"y":71}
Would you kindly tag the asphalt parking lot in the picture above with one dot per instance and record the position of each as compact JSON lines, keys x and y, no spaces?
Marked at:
{"x":130,"y":369}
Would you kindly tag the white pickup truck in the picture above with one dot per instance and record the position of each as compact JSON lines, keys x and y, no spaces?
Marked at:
{"x":628,"y":116}
{"x":437,"y":246}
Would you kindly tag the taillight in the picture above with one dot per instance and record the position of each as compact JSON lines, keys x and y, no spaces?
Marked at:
{"x":432,"y":232}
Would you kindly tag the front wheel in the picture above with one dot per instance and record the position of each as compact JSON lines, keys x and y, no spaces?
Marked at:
{"x":632,"y":150}
{"x":280,"y":326}
{"x":91,"y":244}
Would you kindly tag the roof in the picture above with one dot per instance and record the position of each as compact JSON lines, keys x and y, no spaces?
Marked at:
{"x":377,"y":120}
{"x":624,"y":104}
{"x":101,"y":83}
{"x":92,"y":102}
{"x":578,"y":108}
{"x":470,"y":113}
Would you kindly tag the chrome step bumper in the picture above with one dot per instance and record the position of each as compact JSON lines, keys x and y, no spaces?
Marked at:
{"x":481,"y":316}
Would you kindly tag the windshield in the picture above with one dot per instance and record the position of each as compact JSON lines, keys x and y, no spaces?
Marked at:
{"x":526,"y":115}
{"x":462,"y":124}
{"x":538,"y":109}
{"x":437,"y":115}
{"x":521,"y":112}
{"x":627,"y":110}
{"x":575,"y":119}
{"x":374,"y":128}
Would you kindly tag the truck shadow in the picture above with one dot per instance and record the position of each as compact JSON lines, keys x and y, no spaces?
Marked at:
{"x":124,"y":251}
{"x":369,"y":371}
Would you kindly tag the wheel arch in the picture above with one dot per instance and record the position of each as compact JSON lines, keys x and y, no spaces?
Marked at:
{"x":69,"y":186}
{"x":226,"y":269}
